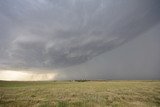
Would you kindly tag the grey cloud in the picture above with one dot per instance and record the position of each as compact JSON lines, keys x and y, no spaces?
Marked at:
{"x":60,"y":33}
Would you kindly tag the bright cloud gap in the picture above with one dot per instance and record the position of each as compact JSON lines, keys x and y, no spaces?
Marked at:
{"x":10,"y":75}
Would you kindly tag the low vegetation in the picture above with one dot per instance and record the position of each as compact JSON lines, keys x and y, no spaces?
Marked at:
{"x":80,"y":94}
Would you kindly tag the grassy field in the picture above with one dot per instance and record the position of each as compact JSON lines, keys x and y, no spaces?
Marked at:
{"x":80,"y":94}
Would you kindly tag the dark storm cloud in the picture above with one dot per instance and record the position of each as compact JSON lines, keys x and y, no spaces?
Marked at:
{"x":61,"y":33}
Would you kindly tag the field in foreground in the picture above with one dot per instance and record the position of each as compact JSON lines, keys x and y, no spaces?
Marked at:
{"x":80,"y":94}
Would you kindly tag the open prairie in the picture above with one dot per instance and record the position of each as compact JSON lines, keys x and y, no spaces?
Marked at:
{"x":80,"y":94}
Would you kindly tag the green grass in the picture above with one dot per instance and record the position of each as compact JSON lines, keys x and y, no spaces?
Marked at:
{"x":80,"y":94}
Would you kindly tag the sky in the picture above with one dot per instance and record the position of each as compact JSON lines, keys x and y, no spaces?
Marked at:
{"x":79,"y":39}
